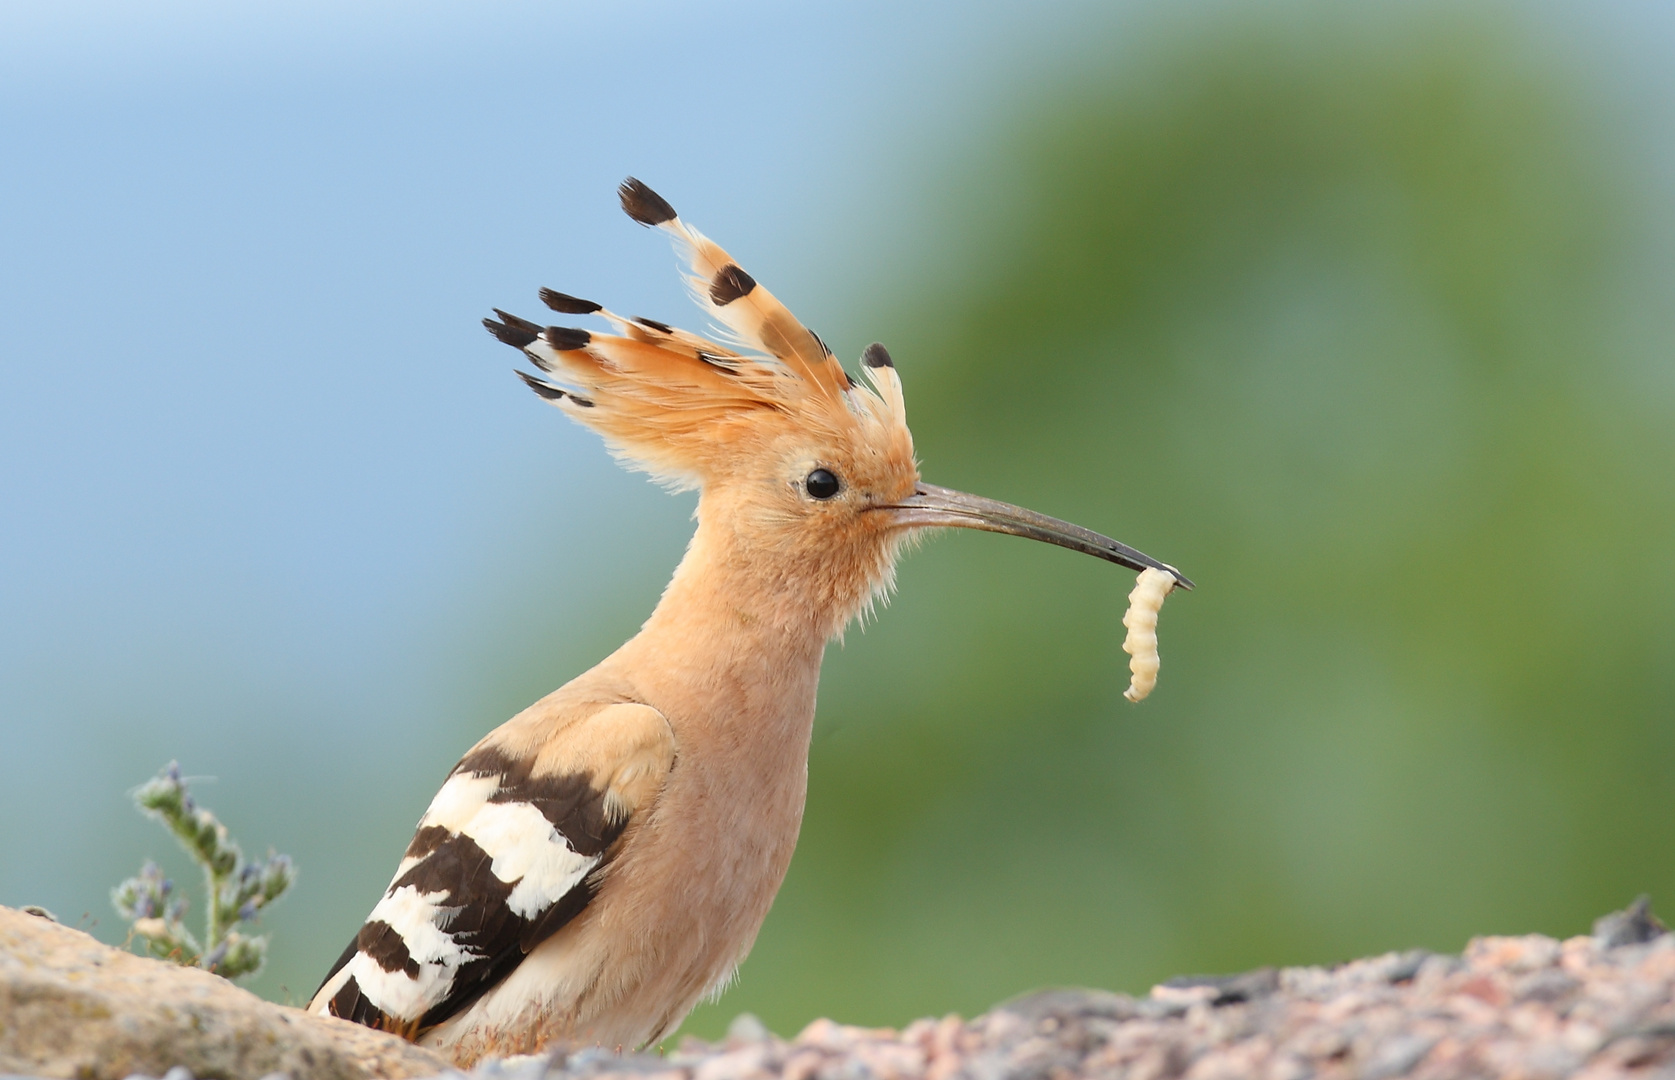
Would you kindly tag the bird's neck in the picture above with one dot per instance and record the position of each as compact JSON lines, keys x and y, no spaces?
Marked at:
{"x":729,"y":640}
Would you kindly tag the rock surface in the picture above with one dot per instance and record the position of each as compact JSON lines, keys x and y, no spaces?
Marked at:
{"x":72,"y":1007}
{"x":1530,"y":1008}
{"x":1520,"y":1007}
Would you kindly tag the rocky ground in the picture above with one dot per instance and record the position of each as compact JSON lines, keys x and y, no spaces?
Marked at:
{"x":1526,"y":1007}
{"x":1519,"y":1007}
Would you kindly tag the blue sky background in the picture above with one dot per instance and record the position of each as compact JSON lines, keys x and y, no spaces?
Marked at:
{"x":271,"y":501}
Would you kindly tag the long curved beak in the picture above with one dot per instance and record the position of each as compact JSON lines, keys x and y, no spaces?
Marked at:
{"x":938,"y":507}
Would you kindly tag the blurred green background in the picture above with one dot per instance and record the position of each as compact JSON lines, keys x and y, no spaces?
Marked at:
{"x":1340,"y":315}
{"x":1359,"y":315}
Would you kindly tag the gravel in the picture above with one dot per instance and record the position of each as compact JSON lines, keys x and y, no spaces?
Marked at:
{"x":1525,"y":1007}
{"x":1529,"y":1008}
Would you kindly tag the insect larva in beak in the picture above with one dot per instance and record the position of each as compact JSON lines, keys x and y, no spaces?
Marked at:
{"x":1141,"y":619}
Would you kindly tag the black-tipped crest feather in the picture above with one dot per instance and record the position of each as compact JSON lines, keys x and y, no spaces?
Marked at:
{"x":522,"y":324}
{"x":545,"y":389}
{"x":566,"y":338}
{"x":731,"y":282}
{"x":565,"y":304}
{"x":643,"y":204}
{"x":877,"y":356}
{"x":513,"y":331}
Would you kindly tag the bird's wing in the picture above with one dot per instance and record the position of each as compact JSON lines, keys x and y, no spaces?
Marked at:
{"x":509,"y":852}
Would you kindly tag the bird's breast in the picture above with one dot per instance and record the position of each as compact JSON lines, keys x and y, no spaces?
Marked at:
{"x":681,"y":901}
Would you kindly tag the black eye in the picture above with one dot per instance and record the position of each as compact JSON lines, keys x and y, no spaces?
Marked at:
{"x":821,"y":484}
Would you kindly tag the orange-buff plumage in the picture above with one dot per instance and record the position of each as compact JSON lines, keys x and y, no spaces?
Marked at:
{"x":596,"y":865}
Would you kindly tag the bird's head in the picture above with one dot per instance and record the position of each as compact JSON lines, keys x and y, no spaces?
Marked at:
{"x":808,"y":474}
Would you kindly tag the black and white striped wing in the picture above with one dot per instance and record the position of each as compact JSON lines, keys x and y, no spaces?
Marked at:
{"x":509,"y":852}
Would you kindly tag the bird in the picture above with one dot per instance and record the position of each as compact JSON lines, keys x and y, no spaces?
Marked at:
{"x":597,"y":865}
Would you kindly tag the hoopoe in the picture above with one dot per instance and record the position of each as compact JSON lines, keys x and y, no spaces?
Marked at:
{"x":599,"y":863}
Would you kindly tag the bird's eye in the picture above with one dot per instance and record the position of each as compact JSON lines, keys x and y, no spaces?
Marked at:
{"x":821,"y":484}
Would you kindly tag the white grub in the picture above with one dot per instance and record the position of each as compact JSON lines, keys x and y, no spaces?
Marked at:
{"x":1141,"y":620}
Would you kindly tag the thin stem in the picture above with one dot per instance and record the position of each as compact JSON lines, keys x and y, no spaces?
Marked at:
{"x":212,"y":914}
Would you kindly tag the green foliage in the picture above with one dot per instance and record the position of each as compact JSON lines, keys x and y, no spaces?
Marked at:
{"x":236,"y":890}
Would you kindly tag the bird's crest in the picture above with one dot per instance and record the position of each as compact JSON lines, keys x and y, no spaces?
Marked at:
{"x":687,"y":409}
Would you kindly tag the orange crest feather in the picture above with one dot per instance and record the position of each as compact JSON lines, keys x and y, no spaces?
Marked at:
{"x":687,"y":409}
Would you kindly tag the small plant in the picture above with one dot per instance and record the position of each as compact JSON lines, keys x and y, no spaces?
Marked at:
{"x":238,"y":890}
